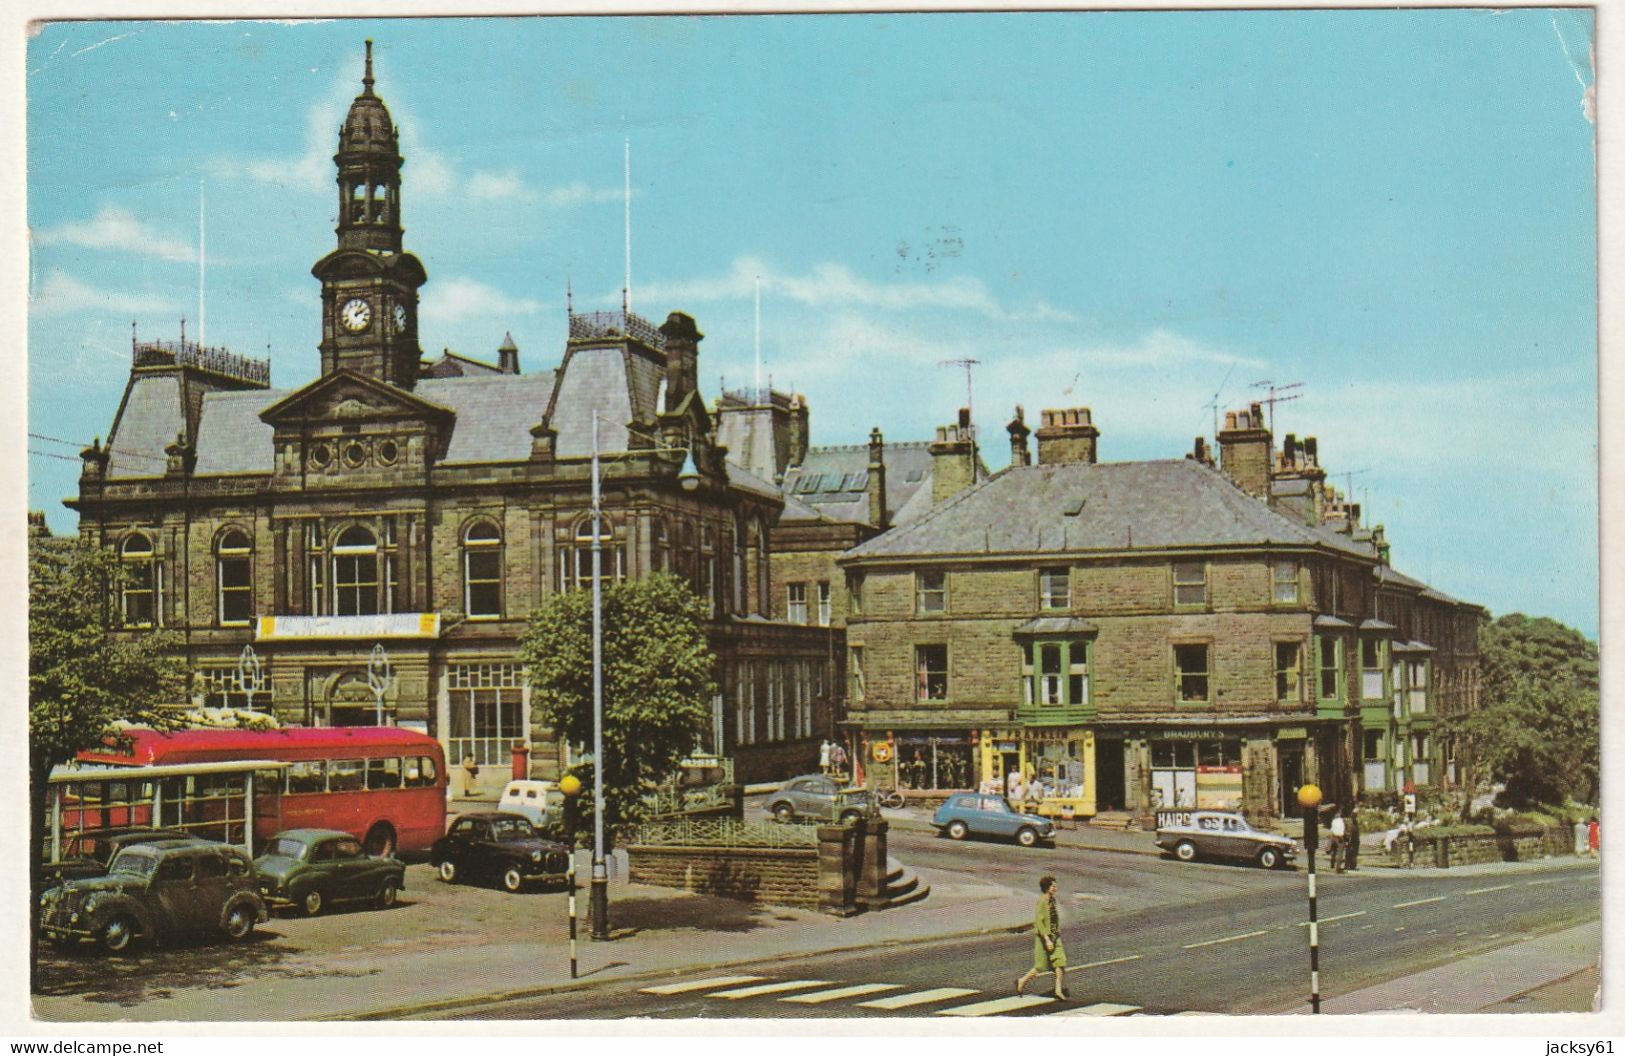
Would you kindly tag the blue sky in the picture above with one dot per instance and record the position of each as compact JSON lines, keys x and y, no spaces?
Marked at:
{"x":1126,"y":211}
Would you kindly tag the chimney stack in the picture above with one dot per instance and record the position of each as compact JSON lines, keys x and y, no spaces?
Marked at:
{"x":1201,"y":453}
{"x":1020,"y":454}
{"x":1245,"y":451}
{"x":877,"y":480}
{"x":682,"y":358}
{"x":953,"y":461}
{"x":1067,"y":436}
{"x":508,"y":355}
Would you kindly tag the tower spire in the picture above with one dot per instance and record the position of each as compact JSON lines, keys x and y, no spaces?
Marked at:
{"x":366,"y":81}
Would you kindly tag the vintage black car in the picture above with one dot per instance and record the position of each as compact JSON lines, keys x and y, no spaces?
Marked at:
{"x":1220,"y":834}
{"x":156,"y":892}
{"x":315,"y":868}
{"x":87,"y":853}
{"x":500,"y":847}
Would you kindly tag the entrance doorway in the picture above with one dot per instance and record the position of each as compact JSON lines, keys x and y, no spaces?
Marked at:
{"x":1109,"y":784}
{"x":1291,"y":757}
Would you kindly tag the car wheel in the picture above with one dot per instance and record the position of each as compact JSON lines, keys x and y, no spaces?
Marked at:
{"x":1269,"y":857}
{"x":387,"y":893}
{"x":312,"y":902}
{"x":380,"y":841}
{"x":117,"y":934}
{"x":784,"y":812}
{"x":448,"y":871}
{"x":1185,"y":851}
{"x":1026,"y":836}
{"x":957,"y":830}
{"x":850,"y":816}
{"x":512,"y":879}
{"x":240,"y":922}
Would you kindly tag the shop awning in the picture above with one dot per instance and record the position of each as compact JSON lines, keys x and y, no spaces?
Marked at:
{"x":1045,"y":626}
{"x":1332,"y":623}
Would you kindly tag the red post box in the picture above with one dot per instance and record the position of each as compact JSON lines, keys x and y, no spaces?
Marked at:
{"x":521,"y":760}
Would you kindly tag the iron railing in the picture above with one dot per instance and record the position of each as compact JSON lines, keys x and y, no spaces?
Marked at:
{"x":590,"y":325}
{"x":191,"y":354}
{"x":723,"y":832}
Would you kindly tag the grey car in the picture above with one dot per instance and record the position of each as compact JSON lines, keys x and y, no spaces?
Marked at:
{"x":1220,"y":834}
{"x":817,"y":797}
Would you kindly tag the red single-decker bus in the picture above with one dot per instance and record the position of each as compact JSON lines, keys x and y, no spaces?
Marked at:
{"x":385,"y":785}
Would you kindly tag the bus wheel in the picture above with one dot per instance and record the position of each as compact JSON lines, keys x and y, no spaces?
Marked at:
{"x":380,"y":841}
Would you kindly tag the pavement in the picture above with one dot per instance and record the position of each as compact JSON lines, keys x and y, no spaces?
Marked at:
{"x":664,"y":932}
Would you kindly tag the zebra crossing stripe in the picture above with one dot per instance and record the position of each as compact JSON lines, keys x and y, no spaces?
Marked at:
{"x":837,"y":994}
{"x":996,"y":1006}
{"x":762,"y":989}
{"x":1105,"y":1008}
{"x":699,"y":984}
{"x":919,"y":997}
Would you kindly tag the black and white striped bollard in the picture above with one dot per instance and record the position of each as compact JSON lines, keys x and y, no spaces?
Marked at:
{"x":1309,"y":800}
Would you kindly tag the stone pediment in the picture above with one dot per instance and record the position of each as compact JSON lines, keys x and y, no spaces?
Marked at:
{"x":345,"y":396}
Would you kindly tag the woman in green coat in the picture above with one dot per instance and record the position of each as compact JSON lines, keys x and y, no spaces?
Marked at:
{"x":1048,"y":953}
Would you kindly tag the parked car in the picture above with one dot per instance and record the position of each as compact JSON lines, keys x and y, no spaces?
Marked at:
{"x":155,"y":892}
{"x":87,"y":853}
{"x":1220,"y":834}
{"x":973,"y":814}
{"x":314,"y":868}
{"x":539,"y":802}
{"x":818,"y":797}
{"x":497,"y":846}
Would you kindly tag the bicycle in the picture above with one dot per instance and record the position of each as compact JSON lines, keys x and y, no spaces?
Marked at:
{"x":889,"y":798}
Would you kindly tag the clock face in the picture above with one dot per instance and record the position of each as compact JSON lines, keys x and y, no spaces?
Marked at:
{"x":355,"y":315}
{"x":400,"y":318}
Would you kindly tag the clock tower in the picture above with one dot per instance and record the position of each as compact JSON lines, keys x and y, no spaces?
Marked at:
{"x":369,"y":284}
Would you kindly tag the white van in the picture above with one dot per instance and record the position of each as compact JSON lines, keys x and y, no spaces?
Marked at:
{"x":540,"y":801}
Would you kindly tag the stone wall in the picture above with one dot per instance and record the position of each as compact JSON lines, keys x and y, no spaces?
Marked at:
{"x":1473,"y":849}
{"x":785,"y":876}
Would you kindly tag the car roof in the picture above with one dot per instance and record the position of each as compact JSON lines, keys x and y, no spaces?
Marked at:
{"x":310,"y":835}
{"x":490,"y":815}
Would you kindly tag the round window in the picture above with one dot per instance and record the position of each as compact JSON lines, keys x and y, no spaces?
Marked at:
{"x":354,"y":453}
{"x":320,"y":455}
{"x":388,"y":452}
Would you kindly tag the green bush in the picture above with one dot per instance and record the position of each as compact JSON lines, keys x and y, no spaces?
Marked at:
{"x":1431,"y":833}
{"x":1527,"y":823}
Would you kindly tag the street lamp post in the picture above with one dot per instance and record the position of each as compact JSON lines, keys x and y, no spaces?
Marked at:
{"x":1309,"y":800}
{"x":378,"y":676}
{"x":598,"y":893}
{"x":250,"y":675}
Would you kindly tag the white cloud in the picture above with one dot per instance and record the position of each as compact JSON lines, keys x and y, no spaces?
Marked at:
{"x":120,"y":230}
{"x":59,"y":293}
{"x":447,"y":302}
{"x":836,"y":285}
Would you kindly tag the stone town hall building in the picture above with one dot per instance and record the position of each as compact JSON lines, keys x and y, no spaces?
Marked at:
{"x":427,"y":508}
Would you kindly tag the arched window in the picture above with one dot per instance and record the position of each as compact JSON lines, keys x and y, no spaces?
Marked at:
{"x":139,"y":588}
{"x":708,"y":569}
{"x":575,"y":561}
{"x":234,"y":579}
{"x":482,"y":571}
{"x":355,"y":573}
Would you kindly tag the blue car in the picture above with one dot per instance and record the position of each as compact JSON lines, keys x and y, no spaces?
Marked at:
{"x":966,"y":814}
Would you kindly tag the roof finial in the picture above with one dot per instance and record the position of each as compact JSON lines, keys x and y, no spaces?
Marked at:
{"x":366,"y":82}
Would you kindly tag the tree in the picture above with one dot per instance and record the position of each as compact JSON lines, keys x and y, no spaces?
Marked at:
{"x":657,"y":681}
{"x":1538,"y":723}
{"x":84,"y":674}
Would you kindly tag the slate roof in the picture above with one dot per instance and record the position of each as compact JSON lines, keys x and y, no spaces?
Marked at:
{"x":150,"y":421}
{"x":1125,"y":505}
{"x":494,"y":417}
{"x":747,"y":433}
{"x":831,"y":480}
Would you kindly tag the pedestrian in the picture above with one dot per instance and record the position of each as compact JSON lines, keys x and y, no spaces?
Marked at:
{"x":1351,"y":847}
{"x":1048,"y":953}
{"x":837,"y":760}
{"x":1334,"y":846}
{"x":1582,"y":837}
{"x":1593,"y":837}
{"x":823,"y":757}
{"x":471,"y":773}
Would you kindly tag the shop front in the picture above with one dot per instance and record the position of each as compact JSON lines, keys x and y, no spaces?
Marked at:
{"x":924,"y":761}
{"x":1048,"y":770}
{"x":1252,"y":767}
